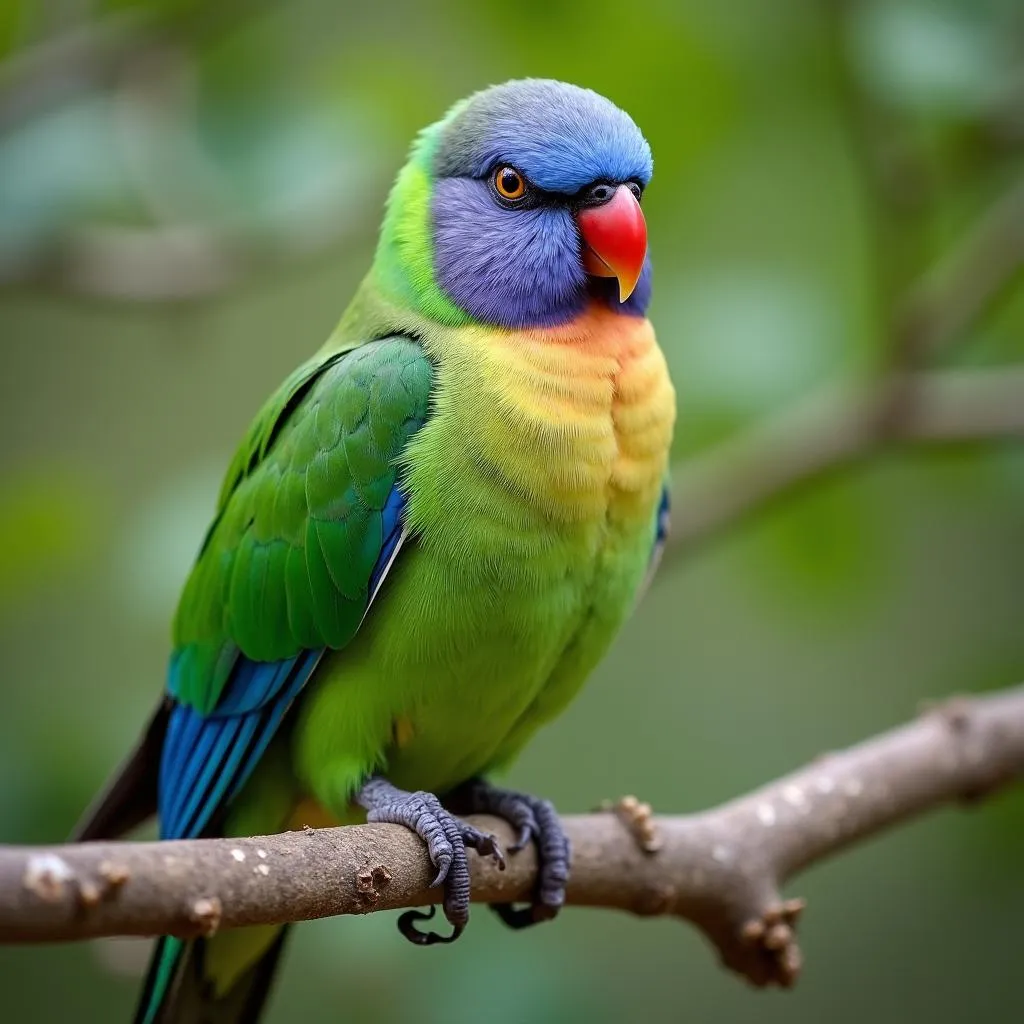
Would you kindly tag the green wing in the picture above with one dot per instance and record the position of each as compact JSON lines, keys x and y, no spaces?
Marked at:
{"x":308,"y":508}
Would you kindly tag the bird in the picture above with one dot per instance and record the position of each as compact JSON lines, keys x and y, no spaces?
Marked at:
{"x":430,"y":534}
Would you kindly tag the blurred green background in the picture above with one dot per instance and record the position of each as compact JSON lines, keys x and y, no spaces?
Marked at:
{"x":189,"y":194}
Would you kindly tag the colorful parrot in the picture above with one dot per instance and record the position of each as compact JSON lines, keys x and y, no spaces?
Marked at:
{"x":431,"y":532}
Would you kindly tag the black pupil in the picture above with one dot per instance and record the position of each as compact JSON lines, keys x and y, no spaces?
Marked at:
{"x":509,"y":181}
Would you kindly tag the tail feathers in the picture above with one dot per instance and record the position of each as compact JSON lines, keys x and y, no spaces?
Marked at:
{"x":165,"y":968}
{"x":178,"y":990}
{"x":129,"y":798}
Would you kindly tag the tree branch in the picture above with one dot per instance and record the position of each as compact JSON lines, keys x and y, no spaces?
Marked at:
{"x":833,"y":428}
{"x":904,"y":403}
{"x":721,"y":869}
{"x":956,"y":294}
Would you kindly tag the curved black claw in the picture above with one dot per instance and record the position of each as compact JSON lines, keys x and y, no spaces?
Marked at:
{"x":407,"y":926}
{"x":447,"y":839}
{"x":518,"y":918}
{"x":534,"y":819}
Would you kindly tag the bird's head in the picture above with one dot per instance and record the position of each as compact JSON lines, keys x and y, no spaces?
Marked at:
{"x":520,"y":208}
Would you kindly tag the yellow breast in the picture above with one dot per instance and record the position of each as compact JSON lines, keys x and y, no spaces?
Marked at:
{"x":578,"y":416}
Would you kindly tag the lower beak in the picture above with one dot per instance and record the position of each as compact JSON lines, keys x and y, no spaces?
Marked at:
{"x":615,"y":239}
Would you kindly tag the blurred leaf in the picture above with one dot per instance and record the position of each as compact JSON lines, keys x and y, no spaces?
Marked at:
{"x":823,"y":549}
{"x":936,"y":57}
{"x":300,"y":173}
{"x":52,"y":170}
{"x":753,"y":340}
{"x":160,"y":540}
{"x":12,"y":24}
{"x":51,"y":525}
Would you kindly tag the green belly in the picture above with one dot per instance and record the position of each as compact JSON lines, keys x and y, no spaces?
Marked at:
{"x":454,"y":670}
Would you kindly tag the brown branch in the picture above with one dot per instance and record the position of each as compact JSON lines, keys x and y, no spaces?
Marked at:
{"x":721,"y":869}
{"x":832,"y":429}
{"x":956,"y":294}
{"x":904,"y":403}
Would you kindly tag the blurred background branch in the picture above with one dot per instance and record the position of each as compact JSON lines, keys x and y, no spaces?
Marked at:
{"x":834,"y":428}
{"x":837,"y":425}
{"x":721,"y":869}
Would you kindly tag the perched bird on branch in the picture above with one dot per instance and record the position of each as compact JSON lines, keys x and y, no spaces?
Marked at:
{"x":431,"y":532}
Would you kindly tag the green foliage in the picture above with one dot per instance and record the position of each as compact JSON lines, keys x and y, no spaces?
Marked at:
{"x":823,"y":551}
{"x":50,"y":528}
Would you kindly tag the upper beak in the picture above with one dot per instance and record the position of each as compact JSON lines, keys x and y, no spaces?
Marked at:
{"x":615,"y":239}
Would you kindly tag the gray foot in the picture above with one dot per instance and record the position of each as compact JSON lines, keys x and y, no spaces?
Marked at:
{"x":447,"y":839}
{"x":534,"y":819}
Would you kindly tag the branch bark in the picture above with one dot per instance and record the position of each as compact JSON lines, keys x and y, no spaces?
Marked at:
{"x":722,"y":869}
{"x":833,"y":428}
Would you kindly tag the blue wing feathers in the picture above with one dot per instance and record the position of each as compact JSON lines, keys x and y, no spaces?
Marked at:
{"x":392,"y":534}
{"x":252,"y":685}
{"x":664,"y":518}
{"x":273,"y":716}
{"x":215,"y":741}
{"x":206,"y":755}
{"x":184,"y":732}
{"x":662,"y":525}
{"x":208,"y":758}
{"x":210,"y":752}
{"x":208,"y":793}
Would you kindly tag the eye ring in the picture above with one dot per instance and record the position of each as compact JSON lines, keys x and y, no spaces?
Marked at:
{"x":509,"y":183}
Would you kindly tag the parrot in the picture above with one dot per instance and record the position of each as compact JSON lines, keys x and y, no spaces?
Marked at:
{"x":430,"y":534}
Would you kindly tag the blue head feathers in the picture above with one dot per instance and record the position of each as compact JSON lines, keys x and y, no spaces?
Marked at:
{"x":560,"y":136}
{"x":520,"y":264}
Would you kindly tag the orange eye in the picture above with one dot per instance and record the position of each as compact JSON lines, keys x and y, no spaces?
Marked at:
{"x":509,"y":183}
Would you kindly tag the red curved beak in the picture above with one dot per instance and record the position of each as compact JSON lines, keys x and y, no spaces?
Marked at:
{"x":615,"y":239}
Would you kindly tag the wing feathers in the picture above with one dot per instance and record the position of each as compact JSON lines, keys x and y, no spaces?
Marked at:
{"x":309,"y":524}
